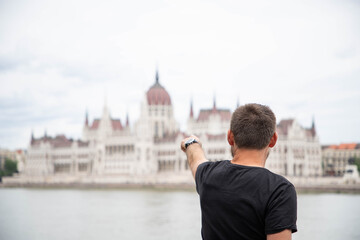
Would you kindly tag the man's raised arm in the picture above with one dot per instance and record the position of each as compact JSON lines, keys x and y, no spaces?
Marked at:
{"x":194,"y":152}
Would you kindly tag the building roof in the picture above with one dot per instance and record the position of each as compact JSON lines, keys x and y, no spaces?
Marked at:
{"x":343,"y":146}
{"x":59,"y":141}
{"x":115,"y":123}
{"x":19,"y":151}
{"x":95,"y":124}
{"x":283,"y":126}
{"x":204,"y":114}
{"x":157,"y":95}
{"x":309,"y":132}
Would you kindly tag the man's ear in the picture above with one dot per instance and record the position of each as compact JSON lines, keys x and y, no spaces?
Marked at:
{"x":230,"y":138}
{"x":273,"y":140}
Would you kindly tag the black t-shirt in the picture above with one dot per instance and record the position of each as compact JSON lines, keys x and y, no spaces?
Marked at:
{"x":243,"y":202}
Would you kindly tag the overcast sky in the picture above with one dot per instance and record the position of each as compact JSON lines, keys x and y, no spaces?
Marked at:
{"x":60,"y":58}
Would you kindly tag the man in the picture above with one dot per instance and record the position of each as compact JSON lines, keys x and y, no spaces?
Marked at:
{"x":240,"y":199}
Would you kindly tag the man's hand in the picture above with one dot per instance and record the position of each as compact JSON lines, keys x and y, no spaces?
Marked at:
{"x":188,"y":138}
{"x":194,"y":153}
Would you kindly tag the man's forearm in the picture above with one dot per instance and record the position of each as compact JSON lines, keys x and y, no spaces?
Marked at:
{"x":195,"y":156}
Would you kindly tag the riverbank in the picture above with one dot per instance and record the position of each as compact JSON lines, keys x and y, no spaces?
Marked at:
{"x":159,"y":181}
{"x":164,"y":182}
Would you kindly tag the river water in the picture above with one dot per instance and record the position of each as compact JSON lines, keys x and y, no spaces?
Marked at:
{"x":46,"y":214}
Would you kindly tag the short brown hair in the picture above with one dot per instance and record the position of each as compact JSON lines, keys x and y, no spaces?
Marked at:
{"x":253,"y":125}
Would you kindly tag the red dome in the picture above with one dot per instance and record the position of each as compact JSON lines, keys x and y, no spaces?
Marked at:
{"x":157,"y":95}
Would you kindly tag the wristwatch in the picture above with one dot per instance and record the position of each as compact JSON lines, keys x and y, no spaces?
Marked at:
{"x":189,"y":142}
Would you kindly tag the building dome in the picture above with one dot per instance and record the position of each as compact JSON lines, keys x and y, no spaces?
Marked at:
{"x":157,"y":95}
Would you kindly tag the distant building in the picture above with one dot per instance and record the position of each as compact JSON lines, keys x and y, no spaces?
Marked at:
{"x":152,"y":147}
{"x":110,"y":148}
{"x":297,"y":152}
{"x":211,"y":126}
{"x":58,"y":155}
{"x":213,"y":121}
{"x":336,"y":157}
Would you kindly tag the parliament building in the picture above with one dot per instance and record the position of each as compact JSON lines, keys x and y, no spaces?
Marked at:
{"x":151,"y":148}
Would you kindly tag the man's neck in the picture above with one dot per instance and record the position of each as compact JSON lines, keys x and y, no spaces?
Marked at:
{"x":250,"y":157}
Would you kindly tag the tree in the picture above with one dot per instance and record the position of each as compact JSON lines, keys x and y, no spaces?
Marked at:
{"x":10,"y":167}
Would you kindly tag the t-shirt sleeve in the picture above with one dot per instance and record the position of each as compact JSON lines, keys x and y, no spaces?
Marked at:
{"x":200,"y":174}
{"x":281,"y":213}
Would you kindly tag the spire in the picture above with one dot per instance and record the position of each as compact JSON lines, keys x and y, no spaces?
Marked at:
{"x":86,"y":119}
{"x":191,"y":110}
{"x":313,"y":122}
{"x":32,"y":137}
{"x":214,"y":104}
{"x":313,"y":130}
{"x":45,"y":134}
{"x":157,"y":76}
{"x":237,"y":103}
{"x":127,"y":119}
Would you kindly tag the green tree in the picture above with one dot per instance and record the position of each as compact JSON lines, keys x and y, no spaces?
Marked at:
{"x":10,"y":167}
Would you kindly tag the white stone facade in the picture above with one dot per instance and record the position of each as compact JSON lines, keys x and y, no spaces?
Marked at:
{"x":297,"y":151}
{"x":152,"y":146}
{"x":59,"y":155}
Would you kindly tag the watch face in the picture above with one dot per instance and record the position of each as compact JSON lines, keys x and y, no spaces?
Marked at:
{"x":190,"y":141}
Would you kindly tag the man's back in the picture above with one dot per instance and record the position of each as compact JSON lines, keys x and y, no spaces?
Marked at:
{"x":241,"y":199}
{"x":243,"y":202}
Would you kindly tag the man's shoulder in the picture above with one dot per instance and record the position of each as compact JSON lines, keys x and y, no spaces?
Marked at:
{"x":279,"y":183}
{"x":279,"y":178}
{"x":210,"y":167}
{"x":213,"y":163}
